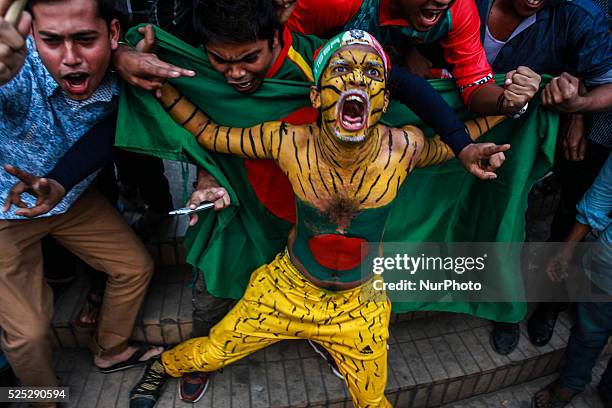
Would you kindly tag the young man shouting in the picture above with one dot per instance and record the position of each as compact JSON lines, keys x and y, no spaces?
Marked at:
{"x":54,"y":86}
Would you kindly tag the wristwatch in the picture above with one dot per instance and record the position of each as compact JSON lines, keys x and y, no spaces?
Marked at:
{"x":500,"y":109}
{"x":520,"y":112}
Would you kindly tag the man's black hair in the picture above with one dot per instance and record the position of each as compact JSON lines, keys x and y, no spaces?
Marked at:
{"x":235,"y":21}
{"x":105,"y":9}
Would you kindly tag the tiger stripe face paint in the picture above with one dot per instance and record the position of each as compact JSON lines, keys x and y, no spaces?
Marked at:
{"x":353,"y":93}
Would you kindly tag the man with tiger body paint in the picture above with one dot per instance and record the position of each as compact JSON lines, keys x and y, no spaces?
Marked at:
{"x":245,"y":43}
{"x":346,"y":170}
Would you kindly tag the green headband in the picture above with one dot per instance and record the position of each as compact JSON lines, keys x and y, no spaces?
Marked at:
{"x":341,"y":40}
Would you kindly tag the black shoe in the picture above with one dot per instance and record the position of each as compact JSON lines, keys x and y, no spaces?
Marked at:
{"x":146,"y":393}
{"x":541,"y":326}
{"x":505,"y":337}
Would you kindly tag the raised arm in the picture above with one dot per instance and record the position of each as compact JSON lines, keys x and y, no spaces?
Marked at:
{"x":434,"y":151}
{"x":257,"y":142}
{"x":14,"y":28}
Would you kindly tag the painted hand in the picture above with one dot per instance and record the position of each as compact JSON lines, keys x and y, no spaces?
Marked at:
{"x":562,"y":93}
{"x":141,"y":67}
{"x":12,"y":42}
{"x":48,"y":193}
{"x":483,"y":159}
{"x":520,"y":87}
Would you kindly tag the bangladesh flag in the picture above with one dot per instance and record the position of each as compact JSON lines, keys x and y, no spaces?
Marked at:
{"x":443,"y":203}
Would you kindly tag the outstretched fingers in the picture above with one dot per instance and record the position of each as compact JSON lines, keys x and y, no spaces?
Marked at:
{"x":14,"y":197}
{"x":24,"y":176}
{"x":489,"y":149}
{"x":157,"y":68}
{"x":38,"y":209}
{"x":147,"y":44}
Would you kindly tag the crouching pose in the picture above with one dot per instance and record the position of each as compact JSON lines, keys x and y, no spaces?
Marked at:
{"x":345,"y":170}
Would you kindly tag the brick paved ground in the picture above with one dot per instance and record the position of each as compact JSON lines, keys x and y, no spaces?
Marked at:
{"x":431,"y":362}
{"x":519,"y":396}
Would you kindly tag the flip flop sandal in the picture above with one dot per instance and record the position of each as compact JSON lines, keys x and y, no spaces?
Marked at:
{"x":554,"y":400}
{"x":91,"y":307}
{"x":133,"y":361}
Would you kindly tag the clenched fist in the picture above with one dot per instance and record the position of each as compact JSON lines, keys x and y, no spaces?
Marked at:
{"x":520,"y":86}
{"x":563,"y":93}
{"x":12,"y":42}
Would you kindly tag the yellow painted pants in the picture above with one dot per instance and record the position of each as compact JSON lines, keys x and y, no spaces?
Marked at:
{"x":280,"y":304}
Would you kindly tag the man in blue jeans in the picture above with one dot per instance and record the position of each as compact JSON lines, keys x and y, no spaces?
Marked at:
{"x":593,"y":326}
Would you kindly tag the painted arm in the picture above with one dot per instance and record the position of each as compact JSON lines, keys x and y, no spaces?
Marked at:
{"x":257,"y":142}
{"x":435,"y":151}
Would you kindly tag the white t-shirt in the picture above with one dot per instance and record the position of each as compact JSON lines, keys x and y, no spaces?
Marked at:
{"x":492,"y":45}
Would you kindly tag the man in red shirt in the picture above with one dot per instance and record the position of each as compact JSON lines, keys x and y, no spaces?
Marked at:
{"x":401,"y":24}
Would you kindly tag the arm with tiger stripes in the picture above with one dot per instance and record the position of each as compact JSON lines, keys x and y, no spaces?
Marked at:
{"x":257,"y":142}
{"x":435,"y":151}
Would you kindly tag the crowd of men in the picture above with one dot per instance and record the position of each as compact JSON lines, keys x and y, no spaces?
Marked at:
{"x":62,"y":63}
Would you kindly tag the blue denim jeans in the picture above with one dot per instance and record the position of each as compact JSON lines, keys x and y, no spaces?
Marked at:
{"x":589,"y":337}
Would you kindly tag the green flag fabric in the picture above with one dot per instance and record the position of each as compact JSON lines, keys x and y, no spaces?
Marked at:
{"x":443,"y":203}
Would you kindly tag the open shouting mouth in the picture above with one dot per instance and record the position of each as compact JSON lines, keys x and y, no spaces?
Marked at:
{"x":353,"y":109}
{"x":430,"y":17}
{"x":76,"y":82}
{"x":246,"y":87}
